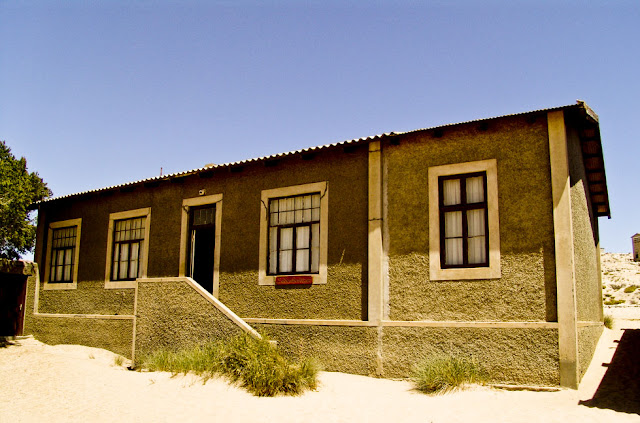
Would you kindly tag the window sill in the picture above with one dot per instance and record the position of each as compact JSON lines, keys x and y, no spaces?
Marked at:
{"x":437,"y":274}
{"x":53,"y":286}
{"x":119,"y":284}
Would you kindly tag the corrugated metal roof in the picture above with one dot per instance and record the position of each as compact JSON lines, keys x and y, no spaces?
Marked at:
{"x":305,"y":150}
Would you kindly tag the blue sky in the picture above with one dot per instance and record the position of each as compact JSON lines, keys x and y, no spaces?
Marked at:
{"x":100,"y":93}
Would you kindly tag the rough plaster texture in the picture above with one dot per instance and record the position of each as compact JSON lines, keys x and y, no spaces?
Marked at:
{"x":585,"y":237}
{"x":113,"y":335}
{"x":509,"y":355}
{"x":516,"y":296}
{"x":173,"y":315}
{"x":87,"y":298}
{"x":526,"y":222}
{"x":346,"y":174}
{"x":588,"y":338}
{"x":337,"y":348}
{"x":340,"y":298}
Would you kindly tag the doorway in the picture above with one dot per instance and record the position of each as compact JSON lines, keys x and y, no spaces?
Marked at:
{"x":12,"y":299}
{"x":202,"y":237}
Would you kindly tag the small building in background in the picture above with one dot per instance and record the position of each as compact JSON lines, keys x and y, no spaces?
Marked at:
{"x":635,"y":240}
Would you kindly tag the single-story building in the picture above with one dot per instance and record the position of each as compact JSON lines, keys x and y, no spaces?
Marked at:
{"x":478,"y":239}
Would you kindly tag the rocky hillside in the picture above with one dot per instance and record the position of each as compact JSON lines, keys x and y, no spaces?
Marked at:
{"x":620,"y":279}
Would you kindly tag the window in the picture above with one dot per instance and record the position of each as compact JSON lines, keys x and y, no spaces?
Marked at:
{"x":127,"y":248}
{"x":293,"y":235}
{"x":463,"y":220}
{"x":62,"y":251}
{"x":464,"y":239}
{"x":63,"y":243}
{"x":128,"y":238}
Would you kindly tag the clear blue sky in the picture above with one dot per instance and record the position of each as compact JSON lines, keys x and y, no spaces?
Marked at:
{"x":104,"y":92}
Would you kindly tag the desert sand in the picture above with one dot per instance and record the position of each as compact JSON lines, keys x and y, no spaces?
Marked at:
{"x":71,"y":383}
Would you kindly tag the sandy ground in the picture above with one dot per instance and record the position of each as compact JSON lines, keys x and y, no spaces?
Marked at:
{"x":70,"y":383}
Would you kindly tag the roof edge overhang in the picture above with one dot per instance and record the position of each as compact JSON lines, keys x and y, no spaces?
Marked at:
{"x":584,"y":111}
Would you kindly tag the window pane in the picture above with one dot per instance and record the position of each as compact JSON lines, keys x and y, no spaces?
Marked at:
{"x":302,"y":260}
{"x":475,"y":222}
{"x":451,"y":192}
{"x":67,"y":272}
{"x":114,"y":266}
{"x":453,"y":251}
{"x":302,"y":237}
{"x":475,"y":189}
{"x":453,"y":224}
{"x":124,"y":260}
{"x":286,"y":261}
{"x":286,"y":239}
{"x":315,"y":247}
{"x":477,"y":250}
{"x":133,"y":266}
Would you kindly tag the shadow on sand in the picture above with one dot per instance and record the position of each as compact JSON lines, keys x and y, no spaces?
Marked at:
{"x":620,"y":386}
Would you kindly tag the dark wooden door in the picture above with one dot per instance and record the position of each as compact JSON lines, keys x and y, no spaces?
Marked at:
{"x":12,"y":300}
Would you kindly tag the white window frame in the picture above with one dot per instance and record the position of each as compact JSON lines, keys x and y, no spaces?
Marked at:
{"x":76,"y":255}
{"x":493,"y":271}
{"x":323,"y":188}
{"x":129,"y":214}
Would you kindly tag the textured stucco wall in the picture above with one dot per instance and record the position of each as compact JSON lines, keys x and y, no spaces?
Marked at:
{"x":110,"y":334}
{"x":88,"y":298}
{"x":337,"y":348}
{"x":585,"y":237}
{"x":344,"y":295}
{"x":510,"y":355}
{"x":588,"y":338}
{"x":521,"y":149}
{"x":340,"y":298}
{"x":173,"y":315}
{"x":515,"y":296}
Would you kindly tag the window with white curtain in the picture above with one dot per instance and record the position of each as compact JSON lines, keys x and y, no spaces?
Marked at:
{"x":63,"y":251}
{"x":294,"y":234}
{"x":464,"y":240}
{"x":128,"y":239}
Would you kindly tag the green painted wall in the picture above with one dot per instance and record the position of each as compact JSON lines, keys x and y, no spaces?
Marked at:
{"x":528,"y":356}
{"x":526,"y":290}
{"x":585,"y":237}
{"x":90,"y":297}
{"x":588,"y":338}
{"x":173,"y":315}
{"x":344,"y":295}
{"x":110,"y":334}
{"x":340,"y":298}
{"x":337,"y":348}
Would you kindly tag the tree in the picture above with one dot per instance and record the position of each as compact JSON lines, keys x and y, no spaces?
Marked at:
{"x":18,"y":189}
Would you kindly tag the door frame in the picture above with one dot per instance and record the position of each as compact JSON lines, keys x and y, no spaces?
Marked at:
{"x":187,"y":204}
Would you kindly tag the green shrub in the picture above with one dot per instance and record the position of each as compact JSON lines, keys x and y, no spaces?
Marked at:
{"x":256,"y":365}
{"x":608,"y":321}
{"x":613,"y":301}
{"x":441,"y":373}
{"x":630,"y":288}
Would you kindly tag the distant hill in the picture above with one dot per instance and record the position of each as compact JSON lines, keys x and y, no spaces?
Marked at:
{"x":620,"y":279}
